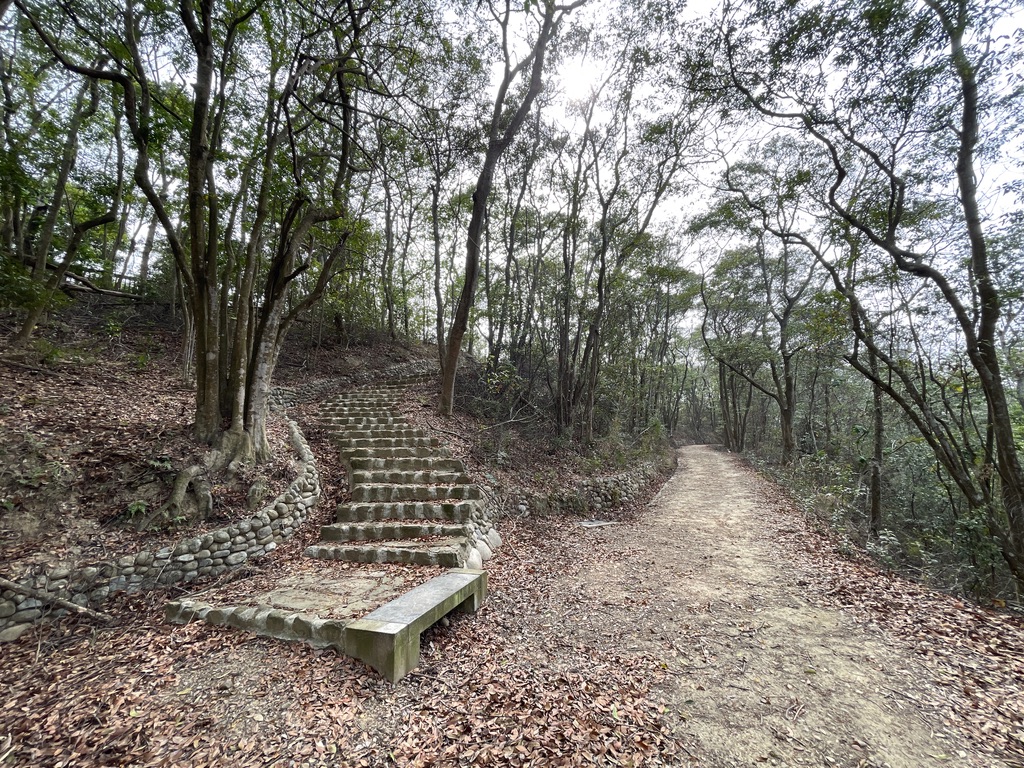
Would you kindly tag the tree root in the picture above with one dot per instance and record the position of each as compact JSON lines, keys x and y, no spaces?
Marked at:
{"x":173,"y":507}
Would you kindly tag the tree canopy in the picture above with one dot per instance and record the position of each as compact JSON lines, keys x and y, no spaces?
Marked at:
{"x":791,"y":227}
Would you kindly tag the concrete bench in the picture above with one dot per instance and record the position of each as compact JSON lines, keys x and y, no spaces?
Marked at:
{"x":389,"y":638}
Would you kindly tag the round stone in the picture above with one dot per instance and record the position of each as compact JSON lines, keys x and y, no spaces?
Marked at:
{"x":11,"y":634}
{"x":493,"y":539}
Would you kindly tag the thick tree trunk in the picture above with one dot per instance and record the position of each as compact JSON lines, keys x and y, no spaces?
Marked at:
{"x":202,"y":223}
{"x":875,"y":485}
{"x":453,"y":348}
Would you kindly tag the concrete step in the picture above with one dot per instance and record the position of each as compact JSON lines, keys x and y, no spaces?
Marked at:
{"x":373,"y":402}
{"x":366,"y":422}
{"x":450,"y":552}
{"x":363,"y":452}
{"x":430,"y":463}
{"x":263,"y":620}
{"x":380,"y":431}
{"x":368,"y":511}
{"x":409,"y":492}
{"x":387,"y":404}
{"x":344,"y":441}
{"x":369,"y":392}
{"x":357,"y":411}
{"x":423,"y":477}
{"x":386,"y":531}
{"x":358,"y":427}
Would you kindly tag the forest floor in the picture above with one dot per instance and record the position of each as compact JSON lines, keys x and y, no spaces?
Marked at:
{"x":713,"y":627}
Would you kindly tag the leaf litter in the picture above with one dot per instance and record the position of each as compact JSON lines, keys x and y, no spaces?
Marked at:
{"x":517,"y":684}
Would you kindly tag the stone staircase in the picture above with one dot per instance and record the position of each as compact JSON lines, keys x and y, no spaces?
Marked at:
{"x":410,"y":504}
{"x":410,"y":501}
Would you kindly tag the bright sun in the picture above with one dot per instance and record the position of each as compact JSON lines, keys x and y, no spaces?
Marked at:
{"x":579,"y":78}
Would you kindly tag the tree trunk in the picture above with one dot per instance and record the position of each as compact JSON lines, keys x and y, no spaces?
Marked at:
{"x":501,"y":135}
{"x":875,"y":486}
{"x":435,"y":229}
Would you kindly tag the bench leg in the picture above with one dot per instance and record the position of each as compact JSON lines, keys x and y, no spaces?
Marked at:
{"x":476,"y":598}
{"x":391,"y":649}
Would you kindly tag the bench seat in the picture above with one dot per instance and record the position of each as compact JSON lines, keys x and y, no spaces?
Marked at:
{"x":388,"y":639}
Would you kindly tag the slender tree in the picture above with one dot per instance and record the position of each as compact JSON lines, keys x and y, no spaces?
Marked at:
{"x":907,"y":108}
{"x":508,"y":115}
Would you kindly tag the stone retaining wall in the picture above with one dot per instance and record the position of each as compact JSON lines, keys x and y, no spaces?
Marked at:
{"x":208,"y":555}
{"x":593,"y":495}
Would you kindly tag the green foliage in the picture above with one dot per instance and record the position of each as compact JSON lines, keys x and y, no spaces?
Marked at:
{"x":137,"y":508}
{"x":17,"y":288}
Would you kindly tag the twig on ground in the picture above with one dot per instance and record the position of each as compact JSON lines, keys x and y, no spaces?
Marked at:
{"x":46,"y":597}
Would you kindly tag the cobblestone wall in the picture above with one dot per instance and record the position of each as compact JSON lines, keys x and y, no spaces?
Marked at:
{"x":211,"y":554}
{"x":592,"y":496}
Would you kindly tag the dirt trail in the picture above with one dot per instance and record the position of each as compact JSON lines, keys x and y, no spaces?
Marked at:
{"x":757,"y":673}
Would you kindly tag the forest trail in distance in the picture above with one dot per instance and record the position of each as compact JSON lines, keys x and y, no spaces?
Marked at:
{"x":764,"y":668}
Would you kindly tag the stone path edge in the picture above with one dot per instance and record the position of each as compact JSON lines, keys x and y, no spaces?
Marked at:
{"x":393,"y":650}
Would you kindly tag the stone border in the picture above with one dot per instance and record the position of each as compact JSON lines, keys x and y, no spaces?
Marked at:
{"x":208,"y":555}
